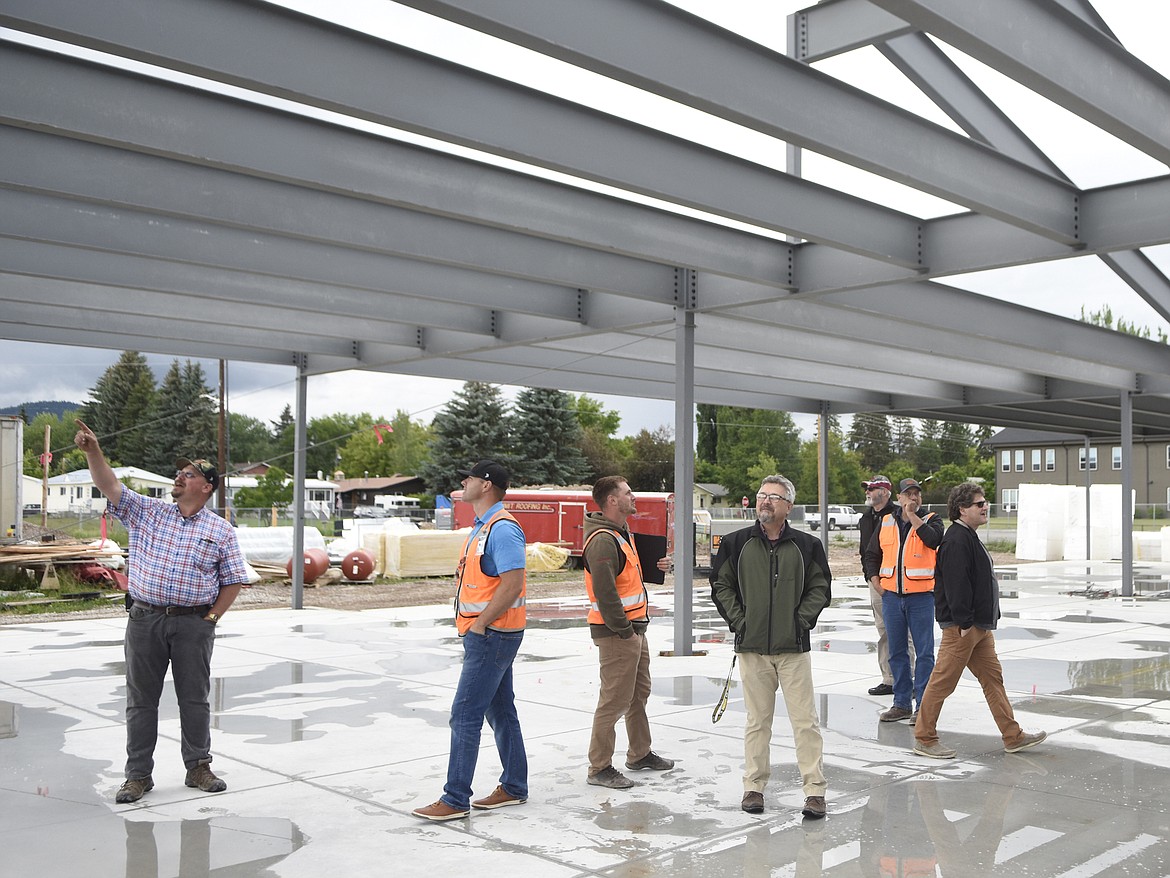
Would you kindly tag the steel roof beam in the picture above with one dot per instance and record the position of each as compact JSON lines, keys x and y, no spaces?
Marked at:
{"x":1146,"y":279}
{"x":281,"y":53}
{"x":639,"y":42}
{"x":836,"y":26}
{"x":1056,"y":54}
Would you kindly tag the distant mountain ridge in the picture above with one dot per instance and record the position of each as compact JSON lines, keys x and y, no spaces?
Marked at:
{"x":56,"y":407}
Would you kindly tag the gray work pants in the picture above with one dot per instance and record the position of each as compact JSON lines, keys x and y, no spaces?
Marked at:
{"x":154,"y":641}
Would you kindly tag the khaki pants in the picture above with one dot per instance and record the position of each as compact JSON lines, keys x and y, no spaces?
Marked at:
{"x":975,"y":652}
{"x":762,"y":675}
{"x":625,"y":687}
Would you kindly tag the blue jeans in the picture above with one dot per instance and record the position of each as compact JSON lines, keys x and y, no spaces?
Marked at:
{"x":485,"y":692}
{"x":911,"y":614}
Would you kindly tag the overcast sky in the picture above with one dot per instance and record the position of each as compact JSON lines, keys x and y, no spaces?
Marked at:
{"x":1087,"y":156}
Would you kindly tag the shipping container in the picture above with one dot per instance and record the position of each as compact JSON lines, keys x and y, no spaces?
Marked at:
{"x":557,"y":517}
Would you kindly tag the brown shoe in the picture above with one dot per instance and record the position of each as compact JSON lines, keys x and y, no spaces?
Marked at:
{"x":440,"y":811}
{"x":753,"y":802}
{"x":204,"y":778}
{"x":133,"y":790}
{"x":498,"y":799}
{"x":814,"y":807}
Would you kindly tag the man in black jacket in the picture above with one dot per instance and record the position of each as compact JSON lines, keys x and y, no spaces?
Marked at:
{"x":966,"y":606}
{"x":770,"y":582}
{"x":878,"y":504}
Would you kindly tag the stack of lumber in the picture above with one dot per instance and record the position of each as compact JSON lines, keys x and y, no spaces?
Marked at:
{"x":424,"y":553}
{"x":59,"y":552}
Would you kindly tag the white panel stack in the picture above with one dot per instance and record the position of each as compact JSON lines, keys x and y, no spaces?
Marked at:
{"x":274,"y":545}
{"x":1105,"y":524}
{"x":1041,"y":521}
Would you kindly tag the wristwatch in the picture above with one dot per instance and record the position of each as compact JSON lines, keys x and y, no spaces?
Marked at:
{"x":212,"y":618}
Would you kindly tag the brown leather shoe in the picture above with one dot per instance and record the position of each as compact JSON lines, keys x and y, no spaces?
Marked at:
{"x":500,"y":798}
{"x":133,"y":790}
{"x":753,"y":802}
{"x":814,"y":807}
{"x":440,"y":811}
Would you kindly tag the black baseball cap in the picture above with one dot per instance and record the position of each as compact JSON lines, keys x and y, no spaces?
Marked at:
{"x":907,"y":484}
{"x":205,"y":467}
{"x":491,"y":471}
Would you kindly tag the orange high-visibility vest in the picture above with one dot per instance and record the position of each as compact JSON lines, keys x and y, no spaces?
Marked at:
{"x":916,"y":558}
{"x":630,"y":587}
{"x":476,"y":588}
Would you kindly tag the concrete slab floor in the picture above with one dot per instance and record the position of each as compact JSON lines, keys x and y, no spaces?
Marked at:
{"x":329,"y":727}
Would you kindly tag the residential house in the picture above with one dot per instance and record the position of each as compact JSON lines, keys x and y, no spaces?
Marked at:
{"x":75,"y":492}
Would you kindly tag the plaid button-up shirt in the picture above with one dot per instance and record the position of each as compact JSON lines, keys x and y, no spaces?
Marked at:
{"x":177,"y":561}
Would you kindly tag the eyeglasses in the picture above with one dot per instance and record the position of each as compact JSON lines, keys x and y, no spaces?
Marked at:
{"x":979,"y":503}
{"x":186,"y":474}
{"x":772,"y":497}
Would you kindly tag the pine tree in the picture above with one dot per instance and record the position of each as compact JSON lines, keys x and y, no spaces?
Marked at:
{"x":927,"y":457}
{"x":547,"y":439}
{"x":651,"y":463}
{"x":743,"y":435}
{"x":870,"y":437}
{"x":119,"y":408}
{"x":902,"y":437}
{"x":183,"y":420}
{"x":474,"y":425}
{"x":953,"y":442}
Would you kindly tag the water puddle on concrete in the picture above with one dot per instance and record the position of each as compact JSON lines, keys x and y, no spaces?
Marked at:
{"x":693,"y":690}
{"x":239,"y":846}
{"x":1104,"y":678}
{"x":855,"y":647}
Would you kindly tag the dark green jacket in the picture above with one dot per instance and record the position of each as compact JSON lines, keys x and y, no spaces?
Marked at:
{"x":771,"y":597}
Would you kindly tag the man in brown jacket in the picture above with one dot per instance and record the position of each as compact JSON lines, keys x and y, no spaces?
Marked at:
{"x":617,"y":622}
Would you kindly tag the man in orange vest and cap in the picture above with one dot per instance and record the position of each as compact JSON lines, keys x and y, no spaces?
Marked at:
{"x":617,"y":623}
{"x":490,"y":616}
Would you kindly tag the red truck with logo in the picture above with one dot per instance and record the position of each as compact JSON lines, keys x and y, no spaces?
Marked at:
{"x":557,"y":517}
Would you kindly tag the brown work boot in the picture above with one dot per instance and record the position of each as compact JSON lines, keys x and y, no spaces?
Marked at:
{"x":202,"y":777}
{"x":134,"y":789}
{"x":814,"y":807}
{"x":753,"y":802}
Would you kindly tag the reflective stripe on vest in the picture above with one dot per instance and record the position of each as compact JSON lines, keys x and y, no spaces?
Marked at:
{"x":630,"y":588}
{"x":476,"y":588}
{"x":916,"y":558}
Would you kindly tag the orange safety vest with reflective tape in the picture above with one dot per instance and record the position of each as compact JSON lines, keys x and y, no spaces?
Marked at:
{"x":916,"y":558}
{"x":476,"y":588}
{"x":629,"y":584}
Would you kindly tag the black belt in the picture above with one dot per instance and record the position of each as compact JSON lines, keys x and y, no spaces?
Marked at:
{"x":202,"y":609}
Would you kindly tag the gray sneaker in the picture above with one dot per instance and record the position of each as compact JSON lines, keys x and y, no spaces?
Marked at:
{"x":610,"y":777}
{"x":1025,"y":742}
{"x":934,"y":751}
{"x":651,"y":761}
{"x":134,"y":789}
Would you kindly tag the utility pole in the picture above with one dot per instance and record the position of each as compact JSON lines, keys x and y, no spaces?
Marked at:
{"x":221,"y":463}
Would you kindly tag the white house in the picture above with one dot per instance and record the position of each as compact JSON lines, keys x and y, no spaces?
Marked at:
{"x":75,"y":492}
{"x":320,"y":495}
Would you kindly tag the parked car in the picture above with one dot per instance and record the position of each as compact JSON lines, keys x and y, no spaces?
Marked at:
{"x":839,"y":516}
{"x":370,"y":512}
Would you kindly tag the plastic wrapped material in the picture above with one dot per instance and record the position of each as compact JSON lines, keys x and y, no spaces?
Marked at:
{"x":274,"y":545}
{"x":543,"y":558}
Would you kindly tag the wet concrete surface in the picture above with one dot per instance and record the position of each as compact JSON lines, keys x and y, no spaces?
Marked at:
{"x":330,"y":726}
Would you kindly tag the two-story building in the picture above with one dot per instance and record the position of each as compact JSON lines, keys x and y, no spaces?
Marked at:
{"x":1038,"y":457}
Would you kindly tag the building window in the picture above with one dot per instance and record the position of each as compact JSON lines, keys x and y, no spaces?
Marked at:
{"x":1049,"y":460}
{"x":154,"y":492}
{"x":1019,"y":460}
{"x":1092,"y":459}
{"x":94,"y":493}
{"x":1009,"y":498}
{"x":1117,"y":457}
{"x":1005,"y":459}
{"x":1035,"y":460}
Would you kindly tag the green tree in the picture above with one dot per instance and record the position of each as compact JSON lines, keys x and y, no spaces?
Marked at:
{"x":902,"y":436}
{"x":870,"y":438}
{"x":473,"y":426}
{"x":402,"y":451}
{"x":742,"y":435}
{"x":547,"y":438}
{"x":650,"y":466}
{"x":927,"y":455}
{"x":272,"y":489}
{"x":954,"y":441}
{"x":604,"y":453}
{"x":706,"y":432}
{"x":1104,"y":317}
{"x":844,"y":476}
{"x":184,"y":419}
{"x":61,"y":432}
{"x":592,"y":414}
{"x":325,"y":437}
{"x":119,"y":409}
{"x":250,"y":440}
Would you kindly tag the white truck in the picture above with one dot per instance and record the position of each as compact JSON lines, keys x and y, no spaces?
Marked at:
{"x":839,"y":517}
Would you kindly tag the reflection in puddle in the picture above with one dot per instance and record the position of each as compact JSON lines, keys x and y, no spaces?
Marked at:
{"x":1103,"y":678}
{"x":1014,"y":633}
{"x":856,"y":647}
{"x":694,"y":690}
{"x":243,"y":846}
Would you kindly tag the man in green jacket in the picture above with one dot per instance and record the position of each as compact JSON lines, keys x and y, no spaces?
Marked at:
{"x":770,"y":583}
